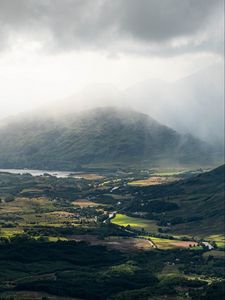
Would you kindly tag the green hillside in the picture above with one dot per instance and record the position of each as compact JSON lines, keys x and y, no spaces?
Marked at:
{"x":196,"y":204}
{"x":106,"y":135}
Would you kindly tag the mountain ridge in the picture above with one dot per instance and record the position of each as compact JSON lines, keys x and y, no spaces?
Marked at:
{"x":97,"y":135}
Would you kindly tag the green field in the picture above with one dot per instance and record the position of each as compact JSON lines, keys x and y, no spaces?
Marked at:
{"x":219,"y":239}
{"x":9,"y":232}
{"x":164,"y":243}
{"x":135,"y":223}
{"x":30,"y":213}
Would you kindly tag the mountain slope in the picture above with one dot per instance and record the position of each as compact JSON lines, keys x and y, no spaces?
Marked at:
{"x":94,"y":136}
{"x":199,"y":201}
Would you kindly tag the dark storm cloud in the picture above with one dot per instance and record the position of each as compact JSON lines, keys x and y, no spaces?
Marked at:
{"x":161,"y":20}
{"x":74,"y":24}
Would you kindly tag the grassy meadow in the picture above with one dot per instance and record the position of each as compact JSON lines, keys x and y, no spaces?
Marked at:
{"x":135,"y":223}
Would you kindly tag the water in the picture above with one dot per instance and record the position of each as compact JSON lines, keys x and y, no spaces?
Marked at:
{"x":59,"y":174}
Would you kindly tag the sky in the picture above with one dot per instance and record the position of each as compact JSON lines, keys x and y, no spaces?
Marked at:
{"x":156,"y":56}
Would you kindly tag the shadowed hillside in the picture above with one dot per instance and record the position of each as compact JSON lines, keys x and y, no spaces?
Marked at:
{"x":198,"y":203}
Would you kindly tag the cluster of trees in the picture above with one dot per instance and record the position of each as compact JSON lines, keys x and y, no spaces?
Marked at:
{"x":12,"y":185}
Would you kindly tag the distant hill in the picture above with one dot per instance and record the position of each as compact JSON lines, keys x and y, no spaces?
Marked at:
{"x":104,"y":135}
{"x":198,"y":202}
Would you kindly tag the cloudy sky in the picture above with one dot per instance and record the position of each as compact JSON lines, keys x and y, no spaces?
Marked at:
{"x":54,"y":49}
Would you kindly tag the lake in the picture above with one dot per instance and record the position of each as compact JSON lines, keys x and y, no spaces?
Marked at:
{"x":59,"y":174}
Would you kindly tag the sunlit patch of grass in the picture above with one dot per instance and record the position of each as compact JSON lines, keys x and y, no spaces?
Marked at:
{"x":171,"y":244}
{"x":163,"y":243}
{"x":154,"y":180}
{"x":135,"y":223}
{"x":91,"y":176}
{"x":56,"y":239}
{"x":84,"y":203}
{"x":9,"y":232}
{"x":26,"y":205}
{"x":219,"y":239}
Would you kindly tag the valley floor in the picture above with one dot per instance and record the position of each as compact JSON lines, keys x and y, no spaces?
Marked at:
{"x":98,"y":236}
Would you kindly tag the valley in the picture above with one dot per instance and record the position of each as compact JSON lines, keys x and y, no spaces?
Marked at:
{"x":60,"y":231}
{"x":112,"y":174}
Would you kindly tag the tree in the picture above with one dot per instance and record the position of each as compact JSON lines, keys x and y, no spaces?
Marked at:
{"x":9,"y":198}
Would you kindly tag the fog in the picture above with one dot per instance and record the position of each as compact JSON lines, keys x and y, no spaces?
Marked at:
{"x":163,"y":58}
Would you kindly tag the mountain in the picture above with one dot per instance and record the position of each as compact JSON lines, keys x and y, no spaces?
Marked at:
{"x":104,"y":135}
{"x":198,"y":202}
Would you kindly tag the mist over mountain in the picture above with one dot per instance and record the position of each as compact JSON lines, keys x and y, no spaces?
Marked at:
{"x":103,"y":135}
{"x":192,"y":104}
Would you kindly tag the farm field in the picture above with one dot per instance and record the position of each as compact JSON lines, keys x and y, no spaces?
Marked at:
{"x":65,"y":228}
{"x":154,"y":180}
{"x":163,"y":243}
{"x":124,"y":244}
{"x":91,"y":176}
{"x":135,"y":223}
{"x":219,"y":239}
{"x":32,"y":212}
{"x":85,"y":203}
